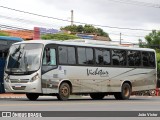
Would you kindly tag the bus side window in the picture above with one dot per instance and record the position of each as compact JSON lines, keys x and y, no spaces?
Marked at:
{"x":151,"y":59}
{"x":67,"y":55}
{"x":115,"y":57}
{"x":99,"y":56}
{"x":148,"y":59}
{"x":145,"y":59}
{"x":134,"y":58}
{"x":85,"y":56}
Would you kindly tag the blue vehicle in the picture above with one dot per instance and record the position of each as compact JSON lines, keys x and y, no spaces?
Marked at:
{"x":5,"y":43}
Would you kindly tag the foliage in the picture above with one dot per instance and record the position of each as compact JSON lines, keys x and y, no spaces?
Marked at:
{"x":3,"y":34}
{"x":87,"y":29}
{"x":153,"y":39}
{"x":158,"y":62}
{"x":59,"y":36}
{"x":158,"y":66}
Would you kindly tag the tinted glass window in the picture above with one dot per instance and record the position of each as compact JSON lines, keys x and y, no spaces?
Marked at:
{"x":152,"y":59}
{"x":89,"y":56}
{"x":99,"y":56}
{"x":106,"y":57}
{"x":102,"y":56}
{"x":81,"y":56}
{"x":119,"y":57}
{"x":71,"y":55}
{"x":66,"y":55}
{"x":85,"y":56}
{"x":148,"y":59}
{"x":62,"y":54}
{"x":134,"y":58}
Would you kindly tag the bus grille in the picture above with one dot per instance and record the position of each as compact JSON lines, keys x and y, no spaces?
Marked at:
{"x":19,"y":81}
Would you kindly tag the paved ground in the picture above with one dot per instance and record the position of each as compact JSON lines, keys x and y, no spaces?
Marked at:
{"x":80,"y":104}
{"x":11,"y":102}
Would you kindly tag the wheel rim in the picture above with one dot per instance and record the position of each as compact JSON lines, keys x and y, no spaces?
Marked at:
{"x":64,"y":91}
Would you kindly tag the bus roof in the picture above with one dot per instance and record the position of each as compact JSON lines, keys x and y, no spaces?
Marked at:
{"x":45,"y":42}
{"x":10,"y":38}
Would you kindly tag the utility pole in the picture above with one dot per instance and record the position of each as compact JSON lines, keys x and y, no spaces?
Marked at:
{"x":120,"y":39}
{"x":71,"y":17}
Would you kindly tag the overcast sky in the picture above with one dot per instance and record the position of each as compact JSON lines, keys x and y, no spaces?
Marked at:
{"x":101,"y":12}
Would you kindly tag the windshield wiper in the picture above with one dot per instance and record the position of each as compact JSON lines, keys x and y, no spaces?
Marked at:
{"x":25,"y":62}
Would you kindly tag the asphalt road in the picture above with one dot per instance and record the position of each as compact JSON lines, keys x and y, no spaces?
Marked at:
{"x":46,"y":103}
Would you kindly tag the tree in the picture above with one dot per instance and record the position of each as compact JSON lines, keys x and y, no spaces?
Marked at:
{"x":153,"y":39}
{"x":80,"y":29}
{"x":72,"y":28}
{"x":158,"y":63}
{"x":87,"y":29}
{"x":59,"y":36}
{"x":100,"y":32}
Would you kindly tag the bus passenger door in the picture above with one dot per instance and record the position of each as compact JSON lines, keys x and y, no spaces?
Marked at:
{"x":49,"y":65}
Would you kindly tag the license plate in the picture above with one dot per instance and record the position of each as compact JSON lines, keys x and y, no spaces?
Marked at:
{"x":18,"y":85}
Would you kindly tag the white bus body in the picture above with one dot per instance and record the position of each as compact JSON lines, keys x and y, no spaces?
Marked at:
{"x":61,"y":68}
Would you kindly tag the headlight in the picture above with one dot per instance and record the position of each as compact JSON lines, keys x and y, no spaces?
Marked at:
{"x":6,"y":78}
{"x":34,"y":78}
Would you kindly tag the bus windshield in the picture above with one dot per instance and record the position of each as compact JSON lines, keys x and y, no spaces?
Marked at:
{"x":24,"y":58}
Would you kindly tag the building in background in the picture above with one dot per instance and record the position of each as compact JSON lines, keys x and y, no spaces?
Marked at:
{"x":34,"y":34}
{"x":24,"y":34}
{"x":38,"y":31}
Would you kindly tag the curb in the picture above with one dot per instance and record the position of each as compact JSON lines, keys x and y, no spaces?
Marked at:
{"x":8,"y":95}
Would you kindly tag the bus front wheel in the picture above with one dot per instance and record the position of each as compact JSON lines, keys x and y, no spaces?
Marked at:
{"x":125,"y":92}
{"x":32,"y":96}
{"x":64,"y":91}
{"x":97,"y":96}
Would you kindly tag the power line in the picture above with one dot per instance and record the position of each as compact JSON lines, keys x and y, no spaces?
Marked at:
{"x":132,"y":35}
{"x":139,"y":3}
{"x":12,"y":27}
{"x":113,"y":27}
{"x":126,"y":35}
{"x":24,"y":21}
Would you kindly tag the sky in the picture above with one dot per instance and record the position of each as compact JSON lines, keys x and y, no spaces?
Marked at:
{"x":114,"y":13}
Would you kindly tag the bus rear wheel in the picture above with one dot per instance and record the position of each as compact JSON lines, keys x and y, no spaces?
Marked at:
{"x":125,"y":92}
{"x":64,"y":91}
{"x":32,"y":96}
{"x":97,"y":96}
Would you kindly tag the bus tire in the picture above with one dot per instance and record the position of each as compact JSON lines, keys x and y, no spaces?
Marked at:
{"x":64,"y":92}
{"x":97,"y":96}
{"x":32,"y":96}
{"x":125,"y":92}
